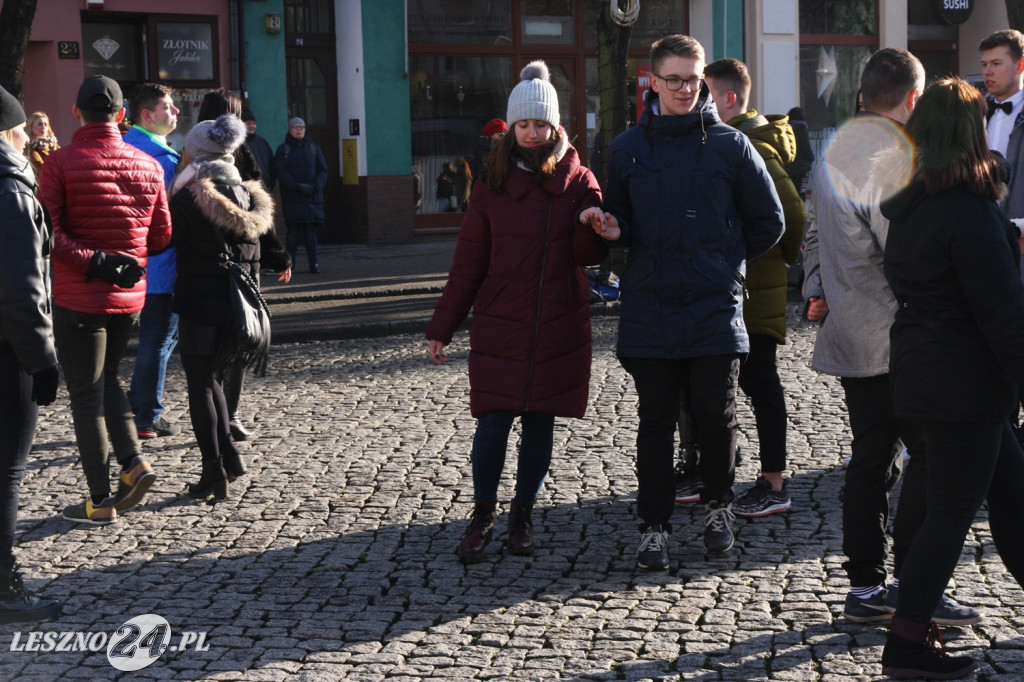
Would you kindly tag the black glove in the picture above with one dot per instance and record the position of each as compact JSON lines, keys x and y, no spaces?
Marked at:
{"x":305,"y":188}
{"x":124,"y":271}
{"x":44,"y":386}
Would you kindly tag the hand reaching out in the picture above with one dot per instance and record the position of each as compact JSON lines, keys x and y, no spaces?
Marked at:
{"x":604,"y":224}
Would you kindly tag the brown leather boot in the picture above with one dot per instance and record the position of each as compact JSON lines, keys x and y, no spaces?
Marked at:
{"x":481,"y":528}
{"x":520,"y":529}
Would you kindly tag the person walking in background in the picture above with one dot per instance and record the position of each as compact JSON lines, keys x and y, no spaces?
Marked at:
{"x":764,"y":310}
{"x":800,"y":168}
{"x":463,"y":183}
{"x":154,"y":116}
{"x":846,"y":289}
{"x":99,"y":254}
{"x":490,"y":135}
{"x":953,"y":261}
{"x":260,"y":149}
{"x":301,"y":170}
{"x":217,"y":216}
{"x":689,"y":229}
{"x":28,"y":361}
{"x":41,"y":140}
{"x":519,"y":264}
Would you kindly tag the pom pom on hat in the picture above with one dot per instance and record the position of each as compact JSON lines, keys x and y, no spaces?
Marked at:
{"x":495,"y":125}
{"x":534,"y":97}
{"x":215,"y":138}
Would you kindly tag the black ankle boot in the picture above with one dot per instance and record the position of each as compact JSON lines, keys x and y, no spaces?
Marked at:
{"x":916,"y":650}
{"x":234,"y":465}
{"x":481,"y":528}
{"x":18,"y":604}
{"x":520,"y":529}
{"x":214,"y":481}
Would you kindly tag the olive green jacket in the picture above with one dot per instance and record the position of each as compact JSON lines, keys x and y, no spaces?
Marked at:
{"x":764,"y":310}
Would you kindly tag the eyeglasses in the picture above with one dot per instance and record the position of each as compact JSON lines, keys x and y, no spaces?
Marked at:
{"x":675,"y":83}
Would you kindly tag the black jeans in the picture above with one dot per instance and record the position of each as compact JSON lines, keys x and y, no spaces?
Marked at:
{"x":710,"y":386}
{"x":207,"y":407}
{"x":90,"y":348}
{"x":967,"y":465}
{"x":18,"y":416}
{"x":878,"y":440}
{"x":759,"y":379}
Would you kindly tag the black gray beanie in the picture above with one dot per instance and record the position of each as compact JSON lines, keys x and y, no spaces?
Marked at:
{"x":12,"y":114}
{"x":215,"y":138}
{"x":534,"y":97}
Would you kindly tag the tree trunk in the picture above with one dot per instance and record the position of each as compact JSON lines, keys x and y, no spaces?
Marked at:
{"x":1015,"y":14}
{"x":613,"y":109}
{"x":15,"y":24}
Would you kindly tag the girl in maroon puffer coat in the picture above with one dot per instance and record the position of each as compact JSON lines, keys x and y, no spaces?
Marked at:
{"x":519,"y":264}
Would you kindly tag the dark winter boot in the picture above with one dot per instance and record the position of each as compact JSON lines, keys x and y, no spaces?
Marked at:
{"x":915,"y":650}
{"x":520,"y":529}
{"x":481,"y":528}
{"x":214,"y":481}
{"x":18,"y":604}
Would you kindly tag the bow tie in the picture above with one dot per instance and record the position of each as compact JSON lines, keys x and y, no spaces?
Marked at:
{"x":993,"y":106}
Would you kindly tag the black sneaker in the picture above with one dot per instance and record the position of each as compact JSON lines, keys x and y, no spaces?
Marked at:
{"x":688,"y":490}
{"x":688,"y":482}
{"x":903,"y":658}
{"x":161,"y":427}
{"x":18,"y":604}
{"x":874,"y":609}
{"x":718,"y":537}
{"x":948,"y":612}
{"x":652,"y":555}
{"x":761,"y":500}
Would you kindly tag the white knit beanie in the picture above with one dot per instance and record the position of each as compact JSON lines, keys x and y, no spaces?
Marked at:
{"x":534,"y":97}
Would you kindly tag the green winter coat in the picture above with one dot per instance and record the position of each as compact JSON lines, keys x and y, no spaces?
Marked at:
{"x":764,"y":310}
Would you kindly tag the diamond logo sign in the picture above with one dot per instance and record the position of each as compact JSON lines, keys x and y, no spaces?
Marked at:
{"x":106,"y":46}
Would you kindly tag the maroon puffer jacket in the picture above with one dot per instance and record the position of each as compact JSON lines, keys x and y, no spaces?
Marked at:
{"x":103,"y":195}
{"x":519,"y":265}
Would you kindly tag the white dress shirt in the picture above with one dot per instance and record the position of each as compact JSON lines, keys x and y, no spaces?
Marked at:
{"x":1001,"y":124}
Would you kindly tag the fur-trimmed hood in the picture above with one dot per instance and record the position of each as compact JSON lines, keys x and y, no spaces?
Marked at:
{"x":249,"y":223}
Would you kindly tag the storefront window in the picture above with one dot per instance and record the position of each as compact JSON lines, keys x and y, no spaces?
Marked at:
{"x":112,"y":49}
{"x":829,"y":82}
{"x":451,"y":100}
{"x":308,"y":16}
{"x":658,"y":18}
{"x":186,"y":51}
{"x":460,"y":22}
{"x":547,"y":22}
{"x":838,"y":17}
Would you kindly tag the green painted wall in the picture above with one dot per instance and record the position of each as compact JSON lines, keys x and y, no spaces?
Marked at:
{"x":265,"y":70}
{"x":386,"y":89}
{"x":728,"y":29}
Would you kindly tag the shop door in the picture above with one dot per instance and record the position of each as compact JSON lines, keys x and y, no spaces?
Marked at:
{"x":312,"y":80}
{"x":565,"y":79}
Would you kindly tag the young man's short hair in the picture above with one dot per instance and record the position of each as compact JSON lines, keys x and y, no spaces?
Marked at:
{"x":733,"y":74}
{"x":676,"y":45}
{"x":1011,"y":38}
{"x":889,"y":76}
{"x":146,"y":96}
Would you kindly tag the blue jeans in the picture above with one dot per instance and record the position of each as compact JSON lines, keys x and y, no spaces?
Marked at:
{"x":158,"y":335}
{"x":490,"y":444}
{"x":307,"y":231}
{"x":17,"y":428}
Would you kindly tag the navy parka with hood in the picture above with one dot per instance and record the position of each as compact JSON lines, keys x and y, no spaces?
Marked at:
{"x":694,"y":202}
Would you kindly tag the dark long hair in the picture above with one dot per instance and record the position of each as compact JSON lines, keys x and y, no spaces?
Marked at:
{"x":541,"y":160}
{"x":947,"y":128}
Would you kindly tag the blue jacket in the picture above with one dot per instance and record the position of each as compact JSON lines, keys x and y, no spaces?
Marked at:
{"x":161,"y":270}
{"x":301,"y":170}
{"x":694,"y":201}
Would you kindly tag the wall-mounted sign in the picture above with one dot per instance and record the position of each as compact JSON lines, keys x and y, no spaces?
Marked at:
{"x":186,"y":51}
{"x":273,"y":22}
{"x":111,"y":49}
{"x":67,"y":49}
{"x":953,"y":12}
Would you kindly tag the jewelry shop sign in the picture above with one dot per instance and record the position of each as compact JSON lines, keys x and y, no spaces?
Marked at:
{"x":186,"y":50}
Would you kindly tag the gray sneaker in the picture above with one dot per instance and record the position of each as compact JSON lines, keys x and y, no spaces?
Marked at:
{"x":874,"y":609}
{"x":948,"y":612}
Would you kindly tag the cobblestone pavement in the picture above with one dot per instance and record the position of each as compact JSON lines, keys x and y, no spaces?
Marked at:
{"x":334,"y":558}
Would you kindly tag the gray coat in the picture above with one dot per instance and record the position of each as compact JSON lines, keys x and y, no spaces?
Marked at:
{"x":1013,"y":204}
{"x":844,"y":248}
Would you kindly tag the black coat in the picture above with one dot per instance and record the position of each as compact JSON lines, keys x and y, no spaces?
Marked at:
{"x":301,"y":170}
{"x":953,"y":262}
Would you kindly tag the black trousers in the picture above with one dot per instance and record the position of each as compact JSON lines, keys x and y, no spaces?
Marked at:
{"x":18,"y":415}
{"x":709,"y":383}
{"x":759,"y":379}
{"x":967,"y":464}
{"x":874,"y":469}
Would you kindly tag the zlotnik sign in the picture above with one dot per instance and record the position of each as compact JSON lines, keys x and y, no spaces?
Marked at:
{"x":954,"y":11}
{"x":185,"y":51}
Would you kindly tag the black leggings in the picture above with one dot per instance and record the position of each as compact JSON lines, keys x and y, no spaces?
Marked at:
{"x":17,"y":428}
{"x":207,"y":407}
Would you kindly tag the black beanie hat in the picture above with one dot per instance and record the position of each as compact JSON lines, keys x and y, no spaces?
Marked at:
{"x":11,"y":113}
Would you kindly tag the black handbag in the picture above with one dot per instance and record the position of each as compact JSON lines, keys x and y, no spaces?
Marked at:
{"x":245,"y":335}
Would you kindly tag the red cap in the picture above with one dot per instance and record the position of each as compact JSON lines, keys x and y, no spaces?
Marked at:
{"x":495,"y":125}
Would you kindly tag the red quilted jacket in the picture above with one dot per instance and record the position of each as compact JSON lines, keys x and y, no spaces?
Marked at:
{"x":103,"y":195}
{"x":519,"y":265}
